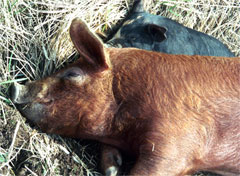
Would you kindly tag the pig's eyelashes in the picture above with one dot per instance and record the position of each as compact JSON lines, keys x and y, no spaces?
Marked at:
{"x":72,"y":73}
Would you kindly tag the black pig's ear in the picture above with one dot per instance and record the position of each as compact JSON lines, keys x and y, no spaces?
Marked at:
{"x":89,"y":46}
{"x":158,"y":33}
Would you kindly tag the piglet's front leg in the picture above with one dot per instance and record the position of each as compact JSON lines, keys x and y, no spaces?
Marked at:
{"x":168,"y":160}
{"x":165,"y":168}
{"x":111,"y":160}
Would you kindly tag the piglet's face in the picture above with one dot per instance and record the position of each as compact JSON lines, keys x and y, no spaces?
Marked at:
{"x":74,"y":101}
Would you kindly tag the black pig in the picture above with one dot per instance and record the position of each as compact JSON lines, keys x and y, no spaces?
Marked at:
{"x":157,"y":33}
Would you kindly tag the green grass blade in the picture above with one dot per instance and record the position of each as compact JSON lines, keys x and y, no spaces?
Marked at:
{"x":12,"y":81}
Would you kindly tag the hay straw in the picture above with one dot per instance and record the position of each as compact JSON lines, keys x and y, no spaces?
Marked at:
{"x":34,"y":42}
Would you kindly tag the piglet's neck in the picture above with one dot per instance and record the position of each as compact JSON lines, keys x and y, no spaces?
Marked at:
{"x":127,"y":72}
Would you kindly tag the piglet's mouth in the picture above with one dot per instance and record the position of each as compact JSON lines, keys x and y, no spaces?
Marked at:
{"x":26,"y":102}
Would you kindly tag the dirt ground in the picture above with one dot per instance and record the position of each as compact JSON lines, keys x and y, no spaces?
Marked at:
{"x":34,"y":42}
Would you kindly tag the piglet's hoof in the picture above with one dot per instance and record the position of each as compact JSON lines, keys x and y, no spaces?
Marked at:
{"x":111,"y":160}
{"x":111,"y":171}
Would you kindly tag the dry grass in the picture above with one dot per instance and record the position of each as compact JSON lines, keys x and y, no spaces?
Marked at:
{"x":34,"y":42}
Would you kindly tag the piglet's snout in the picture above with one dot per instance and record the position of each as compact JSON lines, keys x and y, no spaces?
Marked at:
{"x":17,"y":93}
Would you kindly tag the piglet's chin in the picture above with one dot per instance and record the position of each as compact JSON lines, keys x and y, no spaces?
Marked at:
{"x":34,"y":112}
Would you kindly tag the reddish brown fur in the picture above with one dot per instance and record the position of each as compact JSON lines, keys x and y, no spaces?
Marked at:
{"x":177,"y":114}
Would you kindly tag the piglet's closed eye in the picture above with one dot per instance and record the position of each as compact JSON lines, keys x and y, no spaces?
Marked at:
{"x":73,"y":73}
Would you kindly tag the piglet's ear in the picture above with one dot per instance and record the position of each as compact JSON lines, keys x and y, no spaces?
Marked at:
{"x":89,"y":46}
{"x":158,"y":33}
